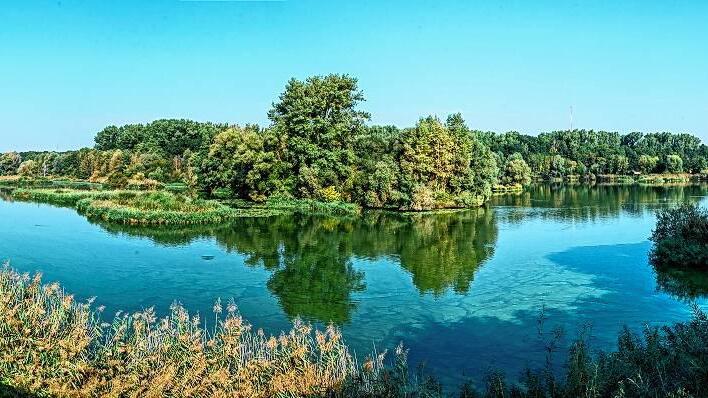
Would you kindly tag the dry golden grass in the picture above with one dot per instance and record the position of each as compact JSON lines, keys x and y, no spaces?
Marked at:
{"x":52,"y":345}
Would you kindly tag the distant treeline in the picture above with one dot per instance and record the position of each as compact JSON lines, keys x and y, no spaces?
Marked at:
{"x":318,"y":146}
{"x":592,"y":153}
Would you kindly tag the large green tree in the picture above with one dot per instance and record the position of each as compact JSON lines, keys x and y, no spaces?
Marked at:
{"x":445,"y":165}
{"x":318,"y":120}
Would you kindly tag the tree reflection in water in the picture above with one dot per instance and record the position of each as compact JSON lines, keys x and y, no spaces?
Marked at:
{"x":583,"y":202}
{"x":686,"y":284}
{"x":311,"y":258}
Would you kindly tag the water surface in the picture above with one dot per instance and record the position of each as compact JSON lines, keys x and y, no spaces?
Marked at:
{"x":463,"y":290}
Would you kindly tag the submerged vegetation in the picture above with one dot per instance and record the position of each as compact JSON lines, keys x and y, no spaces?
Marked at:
{"x":53,"y":345}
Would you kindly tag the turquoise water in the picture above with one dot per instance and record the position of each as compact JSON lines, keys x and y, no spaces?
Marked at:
{"x":464,"y":291}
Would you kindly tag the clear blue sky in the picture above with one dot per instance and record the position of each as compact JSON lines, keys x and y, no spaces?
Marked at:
{"x":68,"y":68}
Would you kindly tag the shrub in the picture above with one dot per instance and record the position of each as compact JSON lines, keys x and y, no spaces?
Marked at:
{"x":117,"y":180}
{"x":157,"y":174}
{"x":468,"y":199}
{"x":674,"y":164}
{"x":681,"y":238}
{"x":515,"y":171}
{"x":139,"y":182}
{"x":329,"y":194}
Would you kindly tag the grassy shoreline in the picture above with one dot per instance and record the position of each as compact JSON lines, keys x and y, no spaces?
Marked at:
{"x":166,"y":208}
{"x":136,"y":207}
{"x":648,"y":179}
{"x":124,"y":206}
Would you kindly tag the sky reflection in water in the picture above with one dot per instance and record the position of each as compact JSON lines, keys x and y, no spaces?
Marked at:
{"x":462,"y":290}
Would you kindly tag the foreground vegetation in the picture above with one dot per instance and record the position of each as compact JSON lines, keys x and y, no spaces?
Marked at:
{"x":681,"y":239}
{"x":319,"y":147}
{"x":52,"y":345}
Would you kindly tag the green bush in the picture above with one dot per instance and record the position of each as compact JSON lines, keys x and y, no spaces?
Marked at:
{"x":681,"y":238}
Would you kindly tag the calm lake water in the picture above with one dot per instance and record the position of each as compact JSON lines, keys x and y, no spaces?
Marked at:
{"x":464,"y":290}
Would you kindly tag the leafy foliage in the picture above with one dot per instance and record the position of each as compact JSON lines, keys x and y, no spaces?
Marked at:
{"x":318,"y":119}
{"x":516,"y":171}
{"x":681,"y":238}
{"x":590,"y":153}
{"x":319,"y":147}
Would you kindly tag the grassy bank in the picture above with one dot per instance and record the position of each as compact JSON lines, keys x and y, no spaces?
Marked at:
{"x":52,"y":345}
{"x":34,"y":182}
{"x":156,"y":208}
{"x":167,"y":208}
{"x":61,"y":196}
{"x":501,"y":189}
{"x":136,"y":207}
{"x":647,"y":179}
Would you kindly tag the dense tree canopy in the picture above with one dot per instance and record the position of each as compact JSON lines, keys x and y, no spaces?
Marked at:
{"x":318,"y":146}
{"x":590,"y":153}
{"x":168,"y":137}
{"x":319,"y":120}
{"x":9,"y":163}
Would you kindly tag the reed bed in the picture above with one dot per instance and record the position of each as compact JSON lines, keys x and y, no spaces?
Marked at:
{"x":52,"y":345}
